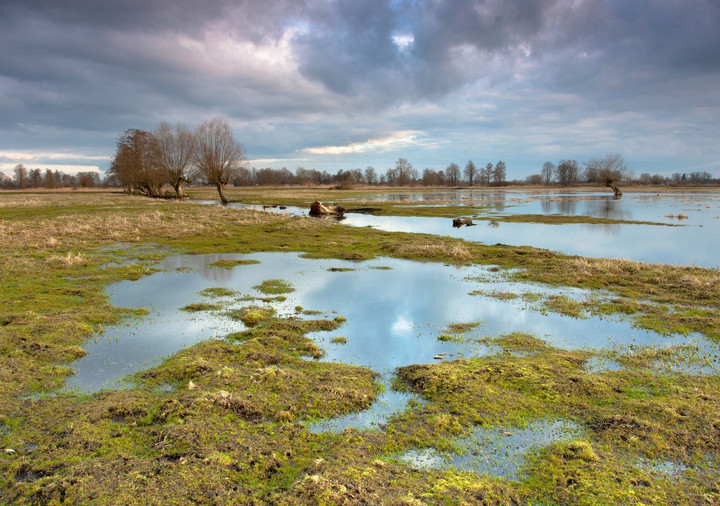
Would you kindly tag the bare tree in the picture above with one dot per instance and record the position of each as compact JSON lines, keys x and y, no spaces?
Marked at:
{"x":499,"y":173}
{"x":548,"y":169}
{"x":20,"y":176}
{"x":567,"y":172}
{"x":176,"y":146}
{"x":136,"y":162}
{"x":403,"y":172}
{"x":470,"y":171}
{"x":453,"y":174}
{"x":218,"y":156}
{"x":370,"y":175}
{"x":608,"y":170}
{"x":486,"y":173}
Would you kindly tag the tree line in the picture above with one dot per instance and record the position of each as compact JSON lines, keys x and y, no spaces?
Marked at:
{"x":610,"y":170}
{"x":24,"y":178}
{"x":402,"y":174}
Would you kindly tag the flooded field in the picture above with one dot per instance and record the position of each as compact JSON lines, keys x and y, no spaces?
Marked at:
{"x":690,"y":237}
{"x":498,"y":372}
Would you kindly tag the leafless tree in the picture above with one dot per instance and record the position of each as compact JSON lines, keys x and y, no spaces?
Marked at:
{"x":548,"y":169}
{"x":136,"y":162}
{"x":403,"y":172}
{"x":499,"y":173}
{"x":20,"y":176}
{"x":486,"y":174}
{"x":453,"y":174}
{"x":218,"y":156}
{"x":175,"y":145}
{"x":370,"y":175}
{"x":608,"y":170}
{"x":470,"y":171}
{"x":567,"y":172}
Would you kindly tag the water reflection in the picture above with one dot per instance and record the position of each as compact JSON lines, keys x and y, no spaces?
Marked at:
{"x":394,"y":314}
{"x":496,"y":451}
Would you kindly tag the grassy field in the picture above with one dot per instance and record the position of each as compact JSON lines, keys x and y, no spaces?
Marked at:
{"x":223,"y":421}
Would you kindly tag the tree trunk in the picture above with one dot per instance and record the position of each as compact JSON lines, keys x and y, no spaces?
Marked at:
{"x":179,"y":189}
{"x":223,"y":200}
{"x":616,"y":190}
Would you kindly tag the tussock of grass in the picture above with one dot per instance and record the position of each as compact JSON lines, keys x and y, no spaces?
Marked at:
{"x":252,"y":316}
{"x":457,"y":251}
{"x":200,"y":306}
{"x":229,"y":264}
{"x":218,"y":292}
{"x":275,"y":286}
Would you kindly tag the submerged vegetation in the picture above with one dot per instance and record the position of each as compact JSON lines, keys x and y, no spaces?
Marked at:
{"x":225,"y":420}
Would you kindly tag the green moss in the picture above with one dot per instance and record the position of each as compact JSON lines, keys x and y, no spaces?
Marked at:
{"x":253,"y":315}
{"x":275,"y":286}
{"x":564,"y":305}
{"x":229,"y":264}
{"x":218,"y":292}
{"x":200,"y":306}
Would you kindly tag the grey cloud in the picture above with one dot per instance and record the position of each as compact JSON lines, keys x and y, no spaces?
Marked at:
{"x":88,"y":70}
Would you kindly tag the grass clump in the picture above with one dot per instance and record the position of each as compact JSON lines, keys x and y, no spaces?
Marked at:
{"x":200,"y":306}
{"x":274,"y":287}
{"x":217,"y":292}
{"x":462,"y":328}
{"x":338,"y":340}
{"x":253,"y":315}
{"x":229,"y":264}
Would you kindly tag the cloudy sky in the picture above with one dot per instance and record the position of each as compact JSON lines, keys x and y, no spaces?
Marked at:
{"x":342,"y":84}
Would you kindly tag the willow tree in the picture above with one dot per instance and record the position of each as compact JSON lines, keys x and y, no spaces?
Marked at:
{"x":136,"y":162}
{"x":176,"y":146}
{"x":608,"y":170}
{"x":218,"y":156}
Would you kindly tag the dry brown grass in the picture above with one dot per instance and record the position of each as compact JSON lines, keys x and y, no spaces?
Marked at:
{"x":426,"y":249}
{"x":128,"y":220}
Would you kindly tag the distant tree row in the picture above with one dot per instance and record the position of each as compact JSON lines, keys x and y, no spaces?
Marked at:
{"x":403,"y":174}
{"x":610,"y":170}
{"x":488,"y":175}
{"x":24,"y":178}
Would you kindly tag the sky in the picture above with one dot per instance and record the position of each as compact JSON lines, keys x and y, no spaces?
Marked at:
{"x":345,"y":84}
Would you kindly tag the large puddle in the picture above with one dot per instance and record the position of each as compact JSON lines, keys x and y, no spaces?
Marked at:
{"x":697,"y":213}
{"x":395,"y":311}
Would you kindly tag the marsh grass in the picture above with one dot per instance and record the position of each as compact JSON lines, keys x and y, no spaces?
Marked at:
{"x":275,"y":286}
{"x":217,"y":292}
{"x":230,"y":428}
{"x":200,"y":306}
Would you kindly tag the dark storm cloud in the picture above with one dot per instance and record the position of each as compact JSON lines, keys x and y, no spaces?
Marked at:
{"x":328,"y":72}
{"x":581,"y":46}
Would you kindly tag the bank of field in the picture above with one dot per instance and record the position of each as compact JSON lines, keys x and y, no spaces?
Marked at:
{"x":224,"y":421}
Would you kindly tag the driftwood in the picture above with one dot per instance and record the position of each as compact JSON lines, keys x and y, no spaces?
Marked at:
{"x":320,"y":209}
{"x":459,"y":222}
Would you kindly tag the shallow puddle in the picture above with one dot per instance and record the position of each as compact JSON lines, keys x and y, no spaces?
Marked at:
{"x":495,"y":451}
